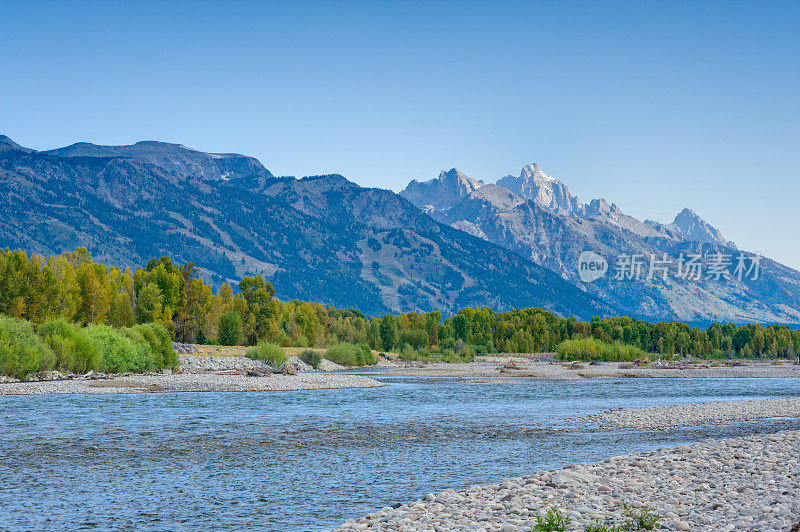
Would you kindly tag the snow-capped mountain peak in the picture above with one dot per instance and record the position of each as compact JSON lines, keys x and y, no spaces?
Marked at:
{"x":547,"y":191}
{"x":533,"y":172}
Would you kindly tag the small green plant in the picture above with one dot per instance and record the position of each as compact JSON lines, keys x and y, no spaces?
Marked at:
{"x":272,"y":354}
{"x":599,"y":526}
{"x":311,"y":357}
{"x":643,"y":519}
{"x":552,"y":521}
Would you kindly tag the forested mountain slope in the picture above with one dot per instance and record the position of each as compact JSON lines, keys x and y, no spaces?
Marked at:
{"x":319,"y":238}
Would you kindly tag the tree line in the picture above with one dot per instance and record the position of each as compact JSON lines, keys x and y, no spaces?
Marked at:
{"x":78,"y":289}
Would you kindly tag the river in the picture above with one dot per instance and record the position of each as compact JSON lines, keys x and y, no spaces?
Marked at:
{"x":309,"y":460}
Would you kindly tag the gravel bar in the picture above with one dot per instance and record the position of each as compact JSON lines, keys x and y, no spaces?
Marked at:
{"x":660,"y":417}
{"x":749,"y":483}
{"x":191,"y":382}
{"x":536,"y":367}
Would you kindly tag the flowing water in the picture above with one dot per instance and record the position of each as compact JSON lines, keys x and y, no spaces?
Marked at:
{"x":312,"y":459}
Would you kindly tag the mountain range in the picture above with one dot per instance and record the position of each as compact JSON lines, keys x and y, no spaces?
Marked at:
{"x":320,"y":238}
{"x":442,"y":244}
{"x":537,"y":216}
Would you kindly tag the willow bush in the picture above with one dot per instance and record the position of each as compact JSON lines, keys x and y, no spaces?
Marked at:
{"x":75,"y":350}
{"x":272,"y":354}
{"x":350,"y":355}
{"x":22,"y":351}
{"x":590,"y":349}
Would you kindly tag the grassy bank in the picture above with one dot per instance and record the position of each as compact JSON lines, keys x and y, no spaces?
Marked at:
{"x":63,"y":346}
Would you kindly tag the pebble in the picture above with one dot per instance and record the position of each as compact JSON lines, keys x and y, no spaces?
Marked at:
{"x":191,"y":382}
{"x":702,"y":486}
{"x":198,"y":373}
{"x":660,"y":417}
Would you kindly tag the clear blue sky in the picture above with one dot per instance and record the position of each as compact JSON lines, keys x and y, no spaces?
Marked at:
{"x":655,"y":106}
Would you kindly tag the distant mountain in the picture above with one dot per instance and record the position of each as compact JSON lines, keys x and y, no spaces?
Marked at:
{"x":691,"y":227}
{"x":319,"y":238}
{"x":174,"y":159}
{"x":8,"y":145}
{"x":536,"y":216}
{"x":544,"y":190}
{"x":440,"y":193}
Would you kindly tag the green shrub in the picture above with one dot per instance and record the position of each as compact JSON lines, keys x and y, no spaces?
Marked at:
{"x":467,"y":353}
{"x":552,"y":521}
{"x":75,"y":351}
{"x":448,"y":355}
{"x":591,"y":349}
{"x":272,"y":354}
{"x":283,"y":340}
{"x":22,"y":351}
{"x":144,"y":347}
{"x":311,"y":357}
{"x":343,"y":354}
{"x":365,"y":355}
{"x":350,"y":355}
{"x":157,"y":342}
{"x":119,"y":353}
{"x":169,"y":356}
{"x":409,"y":353}
{"x":301,"y":341}
{"x":644,"y":519}
{"x":447,"y":343}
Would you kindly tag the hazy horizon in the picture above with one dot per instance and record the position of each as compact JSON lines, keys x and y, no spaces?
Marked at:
{"x":653,"y":107}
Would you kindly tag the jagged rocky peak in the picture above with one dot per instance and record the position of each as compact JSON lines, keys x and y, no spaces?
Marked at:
{"x":455,"y":176}
{"x":547,"y":191}
{"x":691,"y":227}
{"x":500,"y":197}
{"x":174,"y":158}
{"x":532,"y":171}
{"x":441,"y":193}
{"x":600,"y":207}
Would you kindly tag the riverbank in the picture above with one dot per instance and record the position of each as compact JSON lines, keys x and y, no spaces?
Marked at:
{"x":191,"y":382}
{"x":197,"y":373}
{"x":546,"y":368}
{"x":750,"y":483}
